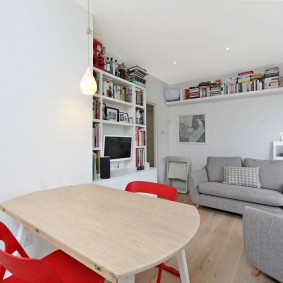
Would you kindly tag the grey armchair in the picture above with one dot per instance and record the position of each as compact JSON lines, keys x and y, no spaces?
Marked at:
{"x":263,"y":241}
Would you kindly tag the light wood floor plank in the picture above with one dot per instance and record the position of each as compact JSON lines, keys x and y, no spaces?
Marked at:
{"x":216,"y":253}
{"x":203,"y":264}
{"x":224,"y":271}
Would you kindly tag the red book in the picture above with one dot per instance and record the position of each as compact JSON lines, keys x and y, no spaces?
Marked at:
{"x":186,"y":92}
{"x":246,"y":73}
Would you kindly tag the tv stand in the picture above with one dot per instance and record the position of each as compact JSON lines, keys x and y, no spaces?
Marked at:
{"x":119,"y":178}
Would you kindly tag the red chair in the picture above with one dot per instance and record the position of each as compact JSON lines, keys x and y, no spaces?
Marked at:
{"x":160,"y":190}
{"x":56,"y":267}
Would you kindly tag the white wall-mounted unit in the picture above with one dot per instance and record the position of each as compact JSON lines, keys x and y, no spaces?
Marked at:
{"x":119,"y":108}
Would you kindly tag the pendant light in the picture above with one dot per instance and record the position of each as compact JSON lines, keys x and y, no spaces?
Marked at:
{"x":88,"y":83}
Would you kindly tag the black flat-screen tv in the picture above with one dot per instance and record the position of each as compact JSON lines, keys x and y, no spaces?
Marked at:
{"x":119,"y":148}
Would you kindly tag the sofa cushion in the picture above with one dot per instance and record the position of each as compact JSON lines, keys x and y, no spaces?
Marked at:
{"x":242,"y":176}
{"x":270,"y":172}
{"x":215,"y":167}
{"x":266,"y":197}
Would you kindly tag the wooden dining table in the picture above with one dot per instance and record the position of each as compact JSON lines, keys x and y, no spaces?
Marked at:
{"x":115,"y":233}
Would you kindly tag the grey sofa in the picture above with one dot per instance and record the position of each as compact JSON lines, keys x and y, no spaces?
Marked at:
{"x":263,"y":241}
{"x":206,"y":186}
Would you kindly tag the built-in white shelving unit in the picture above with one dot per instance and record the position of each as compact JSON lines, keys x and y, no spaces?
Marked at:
{"x":132,"y":101}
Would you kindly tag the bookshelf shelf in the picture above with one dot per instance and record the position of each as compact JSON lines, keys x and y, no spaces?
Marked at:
{"x":117,"y":123}
{"x":241,"y":95}
{"x":117,"y":101}
{"x":118,"y":80}
{"x":114,"y":92}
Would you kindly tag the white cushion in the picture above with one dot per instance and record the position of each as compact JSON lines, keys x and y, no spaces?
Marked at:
{"x":242,"y":176}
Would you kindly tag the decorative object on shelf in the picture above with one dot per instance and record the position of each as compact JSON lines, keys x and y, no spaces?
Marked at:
{"x":278,"y":150}
{"x":122,"y":70}
{"x":140,"y":116}
{"x":192,"y":129}
{"x":112,"y":114}
{"x":123,"y":117}
{"x":88,"y":83}
{"x":172,"y":94}
{"x":98,"y":56}
{"x":140,"y":158}
{"x":139,"y":97}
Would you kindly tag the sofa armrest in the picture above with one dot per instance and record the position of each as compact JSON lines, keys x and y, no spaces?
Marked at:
{"x":263,"y":241}
{"x":196,"y":178}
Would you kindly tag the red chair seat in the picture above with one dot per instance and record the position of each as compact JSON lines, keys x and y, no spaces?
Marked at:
{"x":160,"y":190}
{"x":67,"y":268}
{"x":70,"y":270}
{"x":57,"y":267}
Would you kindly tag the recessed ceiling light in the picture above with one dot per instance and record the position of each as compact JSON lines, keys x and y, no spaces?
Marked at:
{"x":227,"y":48}
{"x":174,"y":62}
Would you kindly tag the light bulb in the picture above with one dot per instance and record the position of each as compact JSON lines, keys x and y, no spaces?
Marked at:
{"x":88,"y":83}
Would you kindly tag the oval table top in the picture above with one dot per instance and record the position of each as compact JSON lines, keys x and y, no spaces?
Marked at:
{"x":113,"y":232}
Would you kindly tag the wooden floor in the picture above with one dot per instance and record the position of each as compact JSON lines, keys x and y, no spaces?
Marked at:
{"x":215,"y":255}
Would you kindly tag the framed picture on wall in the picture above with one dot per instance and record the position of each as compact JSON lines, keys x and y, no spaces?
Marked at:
{"x":192,"y":129}
{"x":278,"y":150}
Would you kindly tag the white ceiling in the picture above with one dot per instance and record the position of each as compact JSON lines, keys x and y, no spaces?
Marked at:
{"x":154,"y":33}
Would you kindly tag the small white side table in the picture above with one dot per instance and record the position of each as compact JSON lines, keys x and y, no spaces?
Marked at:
{"x":178,"y":168}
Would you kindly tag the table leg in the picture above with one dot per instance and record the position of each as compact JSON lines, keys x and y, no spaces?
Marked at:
{"x":20,"y":234}
{"x":183,"y":267}
{"x":130,"y":279}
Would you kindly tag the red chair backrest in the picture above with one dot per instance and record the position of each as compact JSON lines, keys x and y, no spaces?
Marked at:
{"x":28,"y":269}
{"x":11,"y":245}
{"x":160,"y":190}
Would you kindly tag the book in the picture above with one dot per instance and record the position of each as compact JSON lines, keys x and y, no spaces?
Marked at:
{"x":271,"y":79}
{"x":205,"y":84}
{"x":272,"y":68}
{"x":137,"y":68}
{"x":139,"y":97}
{"x":245,"y":73}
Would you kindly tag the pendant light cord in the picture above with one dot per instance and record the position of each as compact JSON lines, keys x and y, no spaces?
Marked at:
{"x":88,"y":34}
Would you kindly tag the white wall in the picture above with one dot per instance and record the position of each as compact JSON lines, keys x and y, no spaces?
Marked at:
{"x":45,"y":122}
{"x":154,"y":92}
{"x":242,"y":127}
